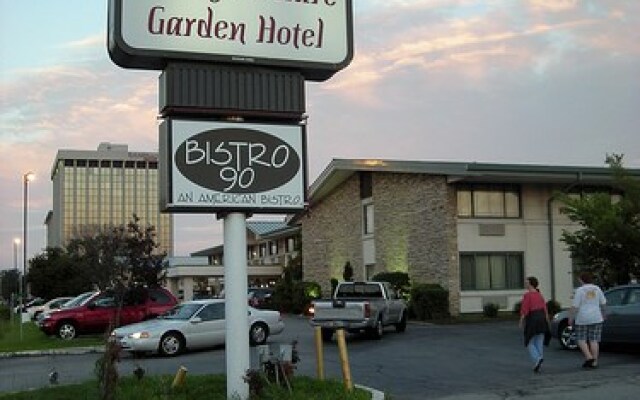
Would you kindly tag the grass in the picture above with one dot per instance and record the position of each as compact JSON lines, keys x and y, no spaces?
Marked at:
{"x":154,"y":387}
{"x":34,"y":339}
{"x":195,"y":387}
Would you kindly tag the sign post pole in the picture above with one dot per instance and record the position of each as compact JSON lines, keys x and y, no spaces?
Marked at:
{"x":235,"y":281}
{"x":223,"y":60}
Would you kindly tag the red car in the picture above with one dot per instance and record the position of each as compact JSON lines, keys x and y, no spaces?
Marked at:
{"x":99,"y":313}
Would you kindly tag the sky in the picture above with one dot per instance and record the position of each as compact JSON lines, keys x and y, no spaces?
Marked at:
{"x":554,"y":82}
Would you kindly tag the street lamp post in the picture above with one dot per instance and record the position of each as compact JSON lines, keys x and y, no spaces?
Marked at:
{"x":26,"y":178}
{"x":16,"y":243}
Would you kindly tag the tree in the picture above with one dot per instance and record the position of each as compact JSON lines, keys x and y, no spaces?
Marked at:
{"x":145,"y":263}
{"x":114,"y":257}
{"x":10,"y":285}
{"x":608,"y":242}
{"x":347,"y":273}
{"x":55,"y":273}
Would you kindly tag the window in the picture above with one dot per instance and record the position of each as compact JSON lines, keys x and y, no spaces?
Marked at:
{"x":160,"y":297}
{"x":366,"y":185}
{"x":634,"y":296}
{"x":615,"y":297}
{"x":489,"y":201}
{"x":491,"y":271}
{"x":367,"y":211}
{"x":290,"y":245}
{"x":212,"y":312}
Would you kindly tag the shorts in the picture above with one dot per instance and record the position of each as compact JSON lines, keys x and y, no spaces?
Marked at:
{"x":590,"y":333}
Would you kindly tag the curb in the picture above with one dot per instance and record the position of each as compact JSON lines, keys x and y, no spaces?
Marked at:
{"x":53,"y":352}
{"x":375,"y":394}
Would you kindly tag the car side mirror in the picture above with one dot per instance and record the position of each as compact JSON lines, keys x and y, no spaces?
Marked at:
{"x":196,"y":320}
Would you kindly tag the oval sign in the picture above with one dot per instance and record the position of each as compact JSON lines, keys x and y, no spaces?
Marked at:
{"x":235,"y":160}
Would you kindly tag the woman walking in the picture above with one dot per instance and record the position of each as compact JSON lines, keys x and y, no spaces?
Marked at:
{"x":534,"y":318}
{"x":587,"y":316}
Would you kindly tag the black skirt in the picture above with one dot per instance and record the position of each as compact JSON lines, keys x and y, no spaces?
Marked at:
{"x":536,"y":323}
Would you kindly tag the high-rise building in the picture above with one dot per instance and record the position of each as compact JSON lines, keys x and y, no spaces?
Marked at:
{"x":104,"y":188}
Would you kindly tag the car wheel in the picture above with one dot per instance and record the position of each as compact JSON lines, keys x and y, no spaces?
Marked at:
{"x":258,"y":333}
{"x":171,"y":344}
{"x":67,"y":330}
{"x":378,"y":330}
{"x":402,"y":325}
{"x":567,"y":336}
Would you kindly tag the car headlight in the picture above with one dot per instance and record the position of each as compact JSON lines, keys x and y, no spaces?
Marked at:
{"x":140,"y":335}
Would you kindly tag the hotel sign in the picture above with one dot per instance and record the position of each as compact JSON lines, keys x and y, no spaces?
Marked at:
{"x":213,"y":166}
{"x":313,"y":36}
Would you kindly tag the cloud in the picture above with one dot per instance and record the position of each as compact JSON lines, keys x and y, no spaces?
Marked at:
{"x":553,"y":5}
{"x":91,"y":42}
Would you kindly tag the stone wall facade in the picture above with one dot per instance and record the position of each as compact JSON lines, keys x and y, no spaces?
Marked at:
{"x":331,"y":236}
{"x":415,"y":231}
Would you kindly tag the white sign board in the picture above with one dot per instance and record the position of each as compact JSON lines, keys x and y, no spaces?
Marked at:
{"x":314,"y":36}
{"x":213,"y":166}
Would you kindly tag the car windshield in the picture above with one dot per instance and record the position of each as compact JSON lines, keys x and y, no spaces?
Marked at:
{"x":182,"y":311}
{"x":78,"y":300}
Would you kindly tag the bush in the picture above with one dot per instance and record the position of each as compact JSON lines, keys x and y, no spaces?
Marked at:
{"x":294,"y":297}
{"x":490,"y":310}
{"x":399,"y":281}
{"x":517,"y":307}
{"x":334,"y":285}
{"x":429,"y":301}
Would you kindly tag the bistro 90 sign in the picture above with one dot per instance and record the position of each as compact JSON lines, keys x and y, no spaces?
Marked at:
{"x":233,"y":160}
{"x":215,"y":166}
{"x":313,"y":36}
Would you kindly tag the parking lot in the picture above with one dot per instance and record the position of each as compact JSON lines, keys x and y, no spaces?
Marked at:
{"x":426,"y":362}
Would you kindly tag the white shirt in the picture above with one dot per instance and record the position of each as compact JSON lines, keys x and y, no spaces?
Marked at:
{"x":587,"y":300}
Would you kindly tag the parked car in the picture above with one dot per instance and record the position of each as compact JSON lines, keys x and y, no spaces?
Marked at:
{"x":360,"y":306}
{"x":32,"y":302}
{"x":73,"y":302}
{"x":53,"y":304}
{"x":622,"y":322}
{"x":99,"y":312}
{"x":191,"y":325}
{"x":259,"y":297}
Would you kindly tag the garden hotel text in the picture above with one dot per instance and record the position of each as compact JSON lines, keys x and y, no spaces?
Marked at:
{"x":207,"y":26}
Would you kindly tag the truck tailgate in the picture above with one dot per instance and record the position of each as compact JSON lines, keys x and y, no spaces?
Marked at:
{"x":350,"y":312}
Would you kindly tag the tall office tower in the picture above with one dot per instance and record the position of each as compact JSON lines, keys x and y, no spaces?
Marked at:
{"x":97,"y":189}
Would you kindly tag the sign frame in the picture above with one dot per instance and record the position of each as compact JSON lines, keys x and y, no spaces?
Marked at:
{"x":128,"y":55}
{"x":170,"y":178}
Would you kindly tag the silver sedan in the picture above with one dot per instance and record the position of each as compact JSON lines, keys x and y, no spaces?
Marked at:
{"x":191,"y":325}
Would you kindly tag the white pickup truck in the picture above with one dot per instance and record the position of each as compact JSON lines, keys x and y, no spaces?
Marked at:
{"x":360,"y":306}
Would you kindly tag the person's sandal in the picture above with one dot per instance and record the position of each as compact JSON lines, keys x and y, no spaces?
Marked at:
{"x":588,"y":363}
{"x":538,"y":365}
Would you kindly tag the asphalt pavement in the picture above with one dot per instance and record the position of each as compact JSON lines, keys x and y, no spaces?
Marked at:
{"x":614,"y":379}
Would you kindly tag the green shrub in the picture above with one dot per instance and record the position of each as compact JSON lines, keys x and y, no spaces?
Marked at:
{"x":490,"y":310}
{"x":429,"y":301}
{"x":294,"y":297}
{"x":517,"y":307}
{"x":334,"y":285}
{"x":399,"y":281}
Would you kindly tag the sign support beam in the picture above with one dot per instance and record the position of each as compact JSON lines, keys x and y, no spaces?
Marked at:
{"x":237,"y":320}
